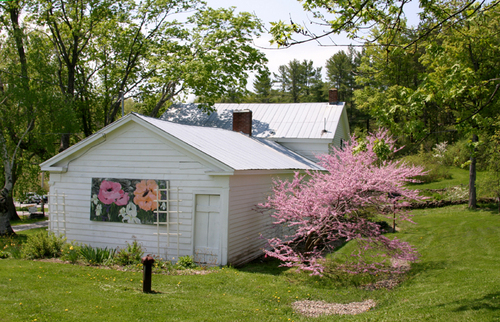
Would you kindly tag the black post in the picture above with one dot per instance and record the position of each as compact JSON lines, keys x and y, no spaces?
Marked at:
{"x":147,"y":264}
{"x":393,"y":196}
{"x":394,"y":217}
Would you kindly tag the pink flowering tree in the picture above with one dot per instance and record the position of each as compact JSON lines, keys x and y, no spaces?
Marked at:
{"x":322,"y":210}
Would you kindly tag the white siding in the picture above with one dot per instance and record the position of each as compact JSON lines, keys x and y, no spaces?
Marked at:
{"x":308,"y":149}
{"x":131,"y":152}
{"x":245,"y":224}
{"x":342,"y":131}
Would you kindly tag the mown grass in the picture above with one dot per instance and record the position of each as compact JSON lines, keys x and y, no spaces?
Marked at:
{"x":458,"y":177}
{"x":457,"y":279}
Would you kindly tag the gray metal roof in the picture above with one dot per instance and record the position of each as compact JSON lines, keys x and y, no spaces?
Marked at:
{"x":236,"y":150}
{"x":290,"y":120}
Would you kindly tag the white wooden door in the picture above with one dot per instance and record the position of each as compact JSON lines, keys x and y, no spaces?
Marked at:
{"x":207,"y":230}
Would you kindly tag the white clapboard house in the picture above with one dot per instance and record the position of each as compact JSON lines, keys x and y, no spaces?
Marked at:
{"x":177,"y":189}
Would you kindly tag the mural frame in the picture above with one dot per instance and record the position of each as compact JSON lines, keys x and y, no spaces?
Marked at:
{"x":131,"y":201}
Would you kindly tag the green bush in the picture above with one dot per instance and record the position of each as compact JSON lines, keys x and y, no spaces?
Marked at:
{"x":457,"y":154}
{"x":97,"y":256}
{"x":185,"y":262}
{"x":162,"y":266}
{"x":130,"y":255}
{"x":71,"y":252}
{"x":435,"y":171}
{"x":457,"y":193}
{"x":10,"y":247}
{"x":43,"y":245}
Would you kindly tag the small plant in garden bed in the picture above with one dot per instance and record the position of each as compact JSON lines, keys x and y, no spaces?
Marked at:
{"x":43,"y":245}
{"x":10,"y":247}
{"x":71,"y":252}
{"x":185,"y":262}
{"x":132,"y":254}
{"x":163,"y":266}
{"x":97,"y":256}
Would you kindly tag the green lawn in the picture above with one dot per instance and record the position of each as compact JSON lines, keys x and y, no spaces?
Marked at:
{"x":457,"y":279}
{"x":458,"y":177}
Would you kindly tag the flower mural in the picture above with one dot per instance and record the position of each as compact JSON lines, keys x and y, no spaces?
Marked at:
{"x":145,"y":194}
{"x":130,"y":214}
{"x":131,"y":201}
{"x":111,"y":192}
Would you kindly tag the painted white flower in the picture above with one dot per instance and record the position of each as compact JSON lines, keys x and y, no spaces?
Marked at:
{"x":130,"y":215}
{"x":95,"y":199}
{"x":122,"y":212}
{"x":163,"y":206}
{"x":132,"y":209}
{"x":98,"y":210}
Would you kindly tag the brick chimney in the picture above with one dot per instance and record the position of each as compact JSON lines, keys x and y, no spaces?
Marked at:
{"x":242,"y":121}
{"x":333,"y":96}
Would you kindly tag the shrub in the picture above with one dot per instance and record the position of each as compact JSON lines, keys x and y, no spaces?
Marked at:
{"x":457,"y":193}
{"x":341,"y":204}
{"x":9,"y":247}
{"x":186,"y":262}
{"x":161,"y":265}
{"x":96,"y":256}
{"x":434,"y":170}
{"x":457,"y":154}
{"x":130,"y":255}
{"x":43,"y":245}
{"x":71,"y":252}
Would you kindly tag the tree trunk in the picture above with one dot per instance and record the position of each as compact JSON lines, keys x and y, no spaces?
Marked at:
{"x":11,"y":208}
{"x":5,"y":227}
{"x":472,"y":176}
{"x":498,"y":202}
{"x":64,"y":142}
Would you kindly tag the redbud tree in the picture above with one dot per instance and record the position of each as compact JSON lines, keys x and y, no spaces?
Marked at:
{"x":324,"y":209}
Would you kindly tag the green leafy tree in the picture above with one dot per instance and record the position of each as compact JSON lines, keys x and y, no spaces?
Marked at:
{"x":355,"y":16}
{"x":386,"y":77}
{"x":300,"y":81}
{"x":262,"y":86}
{"x":30,"y":109}
{"x":463,"y":78}
{"x":451,"y":84}
{"x":105,"y":48}
{"x":341,"y":70}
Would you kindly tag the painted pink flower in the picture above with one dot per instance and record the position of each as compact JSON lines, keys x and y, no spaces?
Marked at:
{"x":123,"y":200}
{"x":110,"y":192}
{"x":145,"y":194}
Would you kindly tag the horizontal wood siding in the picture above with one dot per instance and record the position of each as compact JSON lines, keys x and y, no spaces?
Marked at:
{"x":342,"y":131}
{"x":245,"y":224}
{"x":308,"y":150}
{"x":132,"y":152}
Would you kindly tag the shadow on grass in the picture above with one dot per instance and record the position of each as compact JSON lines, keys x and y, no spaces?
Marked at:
{"x":489,"y":207}
{"x":264,"y":265}
{"x":420,"y":267}
{"x":490,"y":302}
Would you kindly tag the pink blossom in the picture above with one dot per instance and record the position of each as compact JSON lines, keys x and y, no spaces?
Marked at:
{"x":324,"y":209}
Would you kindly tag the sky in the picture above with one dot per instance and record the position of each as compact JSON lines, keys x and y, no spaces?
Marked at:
{"x":275,"y":10}
{"x":272,"y":11}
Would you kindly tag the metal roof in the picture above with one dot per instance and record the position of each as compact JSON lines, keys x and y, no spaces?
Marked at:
{"x":236,"y":150}
{"x":270,"y":120}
